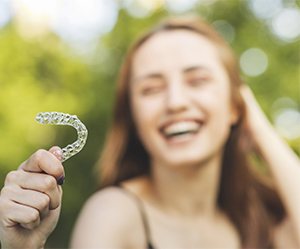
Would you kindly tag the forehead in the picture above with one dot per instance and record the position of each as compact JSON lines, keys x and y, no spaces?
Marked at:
{"x":174,"y":50}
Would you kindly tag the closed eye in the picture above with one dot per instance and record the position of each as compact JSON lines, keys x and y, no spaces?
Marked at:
{"x":199,"y":81}
{"x":151,"y":90}
{"x":150,"y":84}
{"x":198,"y":75}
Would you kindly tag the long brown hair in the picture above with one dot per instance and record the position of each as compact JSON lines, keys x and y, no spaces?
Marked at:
{"x":253,"y":205}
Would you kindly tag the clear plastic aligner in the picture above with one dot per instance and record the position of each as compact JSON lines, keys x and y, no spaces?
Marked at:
{"x":59,"y":118}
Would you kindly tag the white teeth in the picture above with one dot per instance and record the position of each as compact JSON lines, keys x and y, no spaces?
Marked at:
{"x":181,"y":128}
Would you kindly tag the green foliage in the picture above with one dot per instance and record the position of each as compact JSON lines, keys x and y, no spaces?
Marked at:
{"x":43,"y":75}
{"x":36,"y":76}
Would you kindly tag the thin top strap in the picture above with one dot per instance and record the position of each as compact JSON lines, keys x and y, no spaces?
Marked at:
{"x":142,"y":212}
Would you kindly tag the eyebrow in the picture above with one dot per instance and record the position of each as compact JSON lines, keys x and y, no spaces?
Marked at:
{"x":195,"y":68}
{"x":160,"y":76}
{"x":149,"y":76}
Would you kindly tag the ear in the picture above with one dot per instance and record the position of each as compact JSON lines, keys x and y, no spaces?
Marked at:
{"x":234,"y":114}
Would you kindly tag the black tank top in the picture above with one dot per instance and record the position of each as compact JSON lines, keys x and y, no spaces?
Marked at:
{"x":143,"y":215}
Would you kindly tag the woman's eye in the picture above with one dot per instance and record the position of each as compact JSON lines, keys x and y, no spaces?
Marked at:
{"x":151,"y":90}
{"x":199,"y":81}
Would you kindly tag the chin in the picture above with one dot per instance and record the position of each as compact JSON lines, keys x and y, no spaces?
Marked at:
{"x":179,"y":160}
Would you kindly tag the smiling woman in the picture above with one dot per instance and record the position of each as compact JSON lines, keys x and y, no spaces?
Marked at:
{"x":174,"y":169}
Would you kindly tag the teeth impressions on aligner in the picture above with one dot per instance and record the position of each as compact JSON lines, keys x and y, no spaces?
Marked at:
{"x":59,"y":118}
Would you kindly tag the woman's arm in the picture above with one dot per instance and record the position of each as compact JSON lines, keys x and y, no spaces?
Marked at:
{"x":282,"y":161}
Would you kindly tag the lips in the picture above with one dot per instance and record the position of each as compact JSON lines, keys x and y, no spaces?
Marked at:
{"x":178,"y":129}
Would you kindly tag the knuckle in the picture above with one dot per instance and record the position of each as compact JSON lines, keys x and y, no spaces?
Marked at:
{"x":38,"y":155}
{"x":33,"y":216}
{"x":49,"y":182}
{"x":44,"y":202}
{"x":6,"y":191}
{"x":55,"y":201}
{"x":12,"y":177}
{"x":54,"y":204}
{"x":32,"y":225}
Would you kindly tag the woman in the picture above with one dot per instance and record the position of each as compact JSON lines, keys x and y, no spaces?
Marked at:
{"x":174,"y":166}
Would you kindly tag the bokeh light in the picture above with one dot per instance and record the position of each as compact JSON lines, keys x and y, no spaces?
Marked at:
{"x":180,"y":6}
{"x":33,"y":17}
{"x":82,"y":21}
{"x":76,"y":22}
{"x":287,"y":123}
{"x":286,"y":118}
{"x":254,"y":62}
{"x":286,"y":25}
{"x":5,"y":12}
{"x":265,"y":9}
{"x":225,"y":29}
{"x":141,"y":8}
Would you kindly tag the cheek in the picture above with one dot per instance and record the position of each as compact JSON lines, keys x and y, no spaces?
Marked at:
{"x":216,"y":103}
{"x":146,"y":113}
{"x":146,"y":116}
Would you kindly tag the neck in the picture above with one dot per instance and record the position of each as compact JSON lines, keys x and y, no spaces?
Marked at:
{"x":188,"y":189}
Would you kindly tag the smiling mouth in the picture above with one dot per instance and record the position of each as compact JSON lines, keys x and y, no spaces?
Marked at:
{"x":181,"y":131}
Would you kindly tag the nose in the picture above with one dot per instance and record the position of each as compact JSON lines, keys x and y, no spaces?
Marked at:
{"x":176,"y":98}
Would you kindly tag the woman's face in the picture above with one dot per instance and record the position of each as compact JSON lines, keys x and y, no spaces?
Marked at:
{"x":180,"y":98}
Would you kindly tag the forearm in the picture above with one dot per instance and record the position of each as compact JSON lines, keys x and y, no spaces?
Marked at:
{"x":285,"y":168}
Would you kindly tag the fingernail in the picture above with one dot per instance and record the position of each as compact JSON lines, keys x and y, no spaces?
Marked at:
{"x":60,"y":180}
{"x":58,"y":154}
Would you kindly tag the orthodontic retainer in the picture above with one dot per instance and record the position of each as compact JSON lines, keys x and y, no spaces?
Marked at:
{"x":60,"y":118}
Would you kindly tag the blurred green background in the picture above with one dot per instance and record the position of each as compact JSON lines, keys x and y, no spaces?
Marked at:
{"x":65,"y":56}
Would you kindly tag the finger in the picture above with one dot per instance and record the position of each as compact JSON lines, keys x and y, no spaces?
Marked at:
{"x":44,"y":161}
{"x":30,"y":225}
{"x":37,"y":182}
{"x":57,"y":152}
{"x":30,"y":198}
{"x":245,"y":88}
{"x":16,"y":214}
{"x":247,"y":94}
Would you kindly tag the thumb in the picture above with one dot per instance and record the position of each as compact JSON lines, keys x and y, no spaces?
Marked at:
{"x":57,"y":152}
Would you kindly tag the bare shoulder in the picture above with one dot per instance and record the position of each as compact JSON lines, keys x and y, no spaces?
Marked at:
{"x":285,"y":236}
{"x":109,"y":219}
{"x":109,"y":199}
